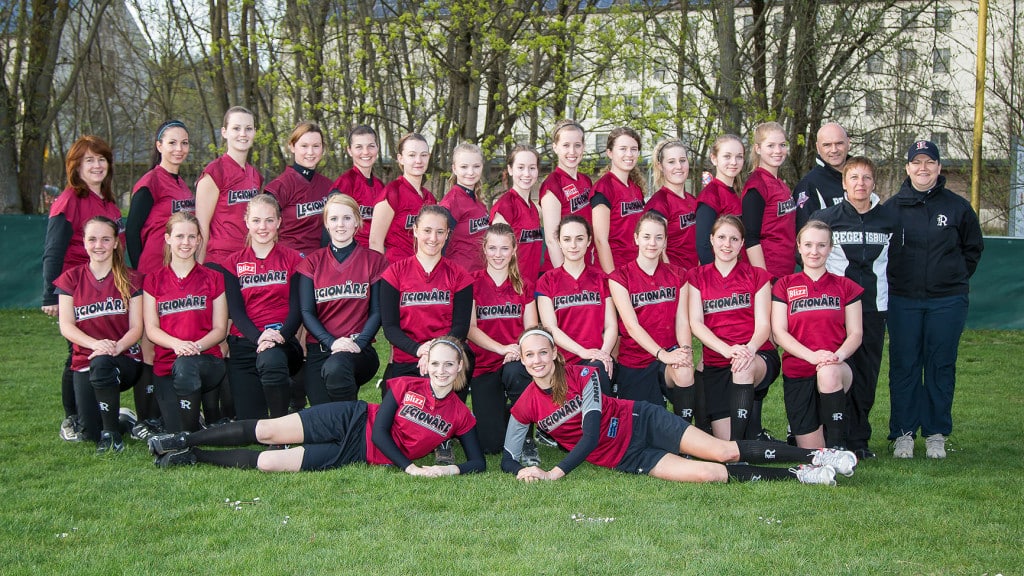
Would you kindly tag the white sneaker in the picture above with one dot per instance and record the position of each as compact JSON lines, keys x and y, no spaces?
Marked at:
{"x":842,"y":460}
{"x":903,"y":447}
{"x":935,"y":446}
{"x":811,"y":474}
{"x":70,"y":429}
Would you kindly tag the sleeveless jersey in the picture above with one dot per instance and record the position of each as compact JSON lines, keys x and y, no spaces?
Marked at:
{"x":655,"y":299}
{"x":184,"y":307}
{"x":302,"y":208}
{"x":406,"y":201}
{"x":366,"y":193}
{"x":237,"y":186}
{"x":579,"y":305}
{"x":778,"y":225}
{"x":681,"y":213}
{"x":77,"y":211}
{"x":729,"y":304}
{"x":99,"y":311}
{"x":626,"y":208}
{"x":466,"y":241}
{"x":170,"y":194}
{"x":499,"y":314}
{"x":524,"y":218}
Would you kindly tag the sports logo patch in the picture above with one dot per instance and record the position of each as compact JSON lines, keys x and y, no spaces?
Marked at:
{"x":414,"y":399}
{"x":243,"y":268}
{"x":585,"y":372}
{"x":797,"y":292}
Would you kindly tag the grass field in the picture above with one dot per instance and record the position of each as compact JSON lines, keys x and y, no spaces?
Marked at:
{"x":66,"y":510}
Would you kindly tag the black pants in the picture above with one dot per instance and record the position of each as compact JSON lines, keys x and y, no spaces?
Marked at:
{"x":493,"y":395}
{"x":105,"y":372}
{"x":865,"y":364}
{"x":260,"y":383}
{"x":337,"y":377}
{"x":194,"y":381}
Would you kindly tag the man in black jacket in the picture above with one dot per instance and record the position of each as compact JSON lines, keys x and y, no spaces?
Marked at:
{"x":934,"y":251}
{"x":823,"y":185}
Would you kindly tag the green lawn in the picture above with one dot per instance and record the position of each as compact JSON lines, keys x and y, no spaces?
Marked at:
{"x":66,"y":510}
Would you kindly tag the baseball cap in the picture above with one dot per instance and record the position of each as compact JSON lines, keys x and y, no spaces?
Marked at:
{"x":925,"y":147}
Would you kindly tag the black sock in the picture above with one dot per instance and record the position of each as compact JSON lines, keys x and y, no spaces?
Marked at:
{"x":212,"y":404}
{"x":741,"y":402}
{"x":145,"y":399}
{"x":236,"y":458}
{"x":239,"y":433}
{"x":226,"y":400}
{"x":833,"y":416}
{"x":754,"y":426}
{"x":758,"y":452}
{"x":278,"y":400}
{"x":67,"y":390}
{"x":682,"y":402}
{"x":188,"y":410}
{"x":748,"y":473}
{"x":109,"y":400}
{"x":700,"y":409}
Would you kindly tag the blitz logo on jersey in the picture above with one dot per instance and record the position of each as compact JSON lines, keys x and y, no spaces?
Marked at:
{"x":414,"y":399}
{"x":796,"y":292}
{"x":245,"y":268}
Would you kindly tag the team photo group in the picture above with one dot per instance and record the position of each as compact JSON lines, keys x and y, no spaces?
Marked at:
{"x":242,"y":314}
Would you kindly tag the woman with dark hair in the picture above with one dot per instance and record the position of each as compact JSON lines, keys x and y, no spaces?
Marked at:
{"x":394,"y":215}
{"x":186,"y":316}
{"x":469,"y":215}
{"x":157,"y":195}
{"x":671,"y":168}
{"x":618,"y":200}
{"x":225,"y":187}
{"x":339,"y":296}
{"x":359,"y":182}
{"x":301,"y":190}
{"x":517,"y":209}
{"x":101,"y":315}
{"x":263,"y":304}
{"x":89,"y":166}
{"x":416,"y":415}
{"x":637,"y":437}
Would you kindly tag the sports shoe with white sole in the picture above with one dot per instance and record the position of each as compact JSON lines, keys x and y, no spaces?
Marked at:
{"x":70,"y":429}
{"x":144,"y":431}
{"x":935,"y":446}
{"x":543,"y":438}
{"x":903,"y":447}
{"x":842,"y":460}
{"x":444,"y":455}
{"x":175,"y":458}
{"x":530,"y":455}
{"x":164,"y":443}
{"x":109,"y":442}
{"x":811,"y":474}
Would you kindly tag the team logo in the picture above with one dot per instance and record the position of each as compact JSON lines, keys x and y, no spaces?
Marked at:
{"x":613,"y":428}
{"x":479,"y":224}
{"x":921,"y":144}
{"x":769,"y":454}
{"x":631,"y":207}
{"x":941,"y":221}
{"x":414,"y":399}
{"x":104,"y":407}
{"x":531,"y":235}
{"x":241,"y":196}
{"x":687,"y":220}
{"x":366,"y":212}
{"x":801,"y":199}
{"x":786,"y":206}
{"x":183,"y":205}
{"x":797,"y":292}
{"x":741,"y":413}
{"x":410,"y":221}
{"x":577,"y":198}
{"x":585,"y":372}
{"x":243,"y":268}
{"x":837,"y":416}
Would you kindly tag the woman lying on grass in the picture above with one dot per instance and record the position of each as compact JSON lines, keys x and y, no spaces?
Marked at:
{"x":637,"y":437}
{"x":417,"y":415}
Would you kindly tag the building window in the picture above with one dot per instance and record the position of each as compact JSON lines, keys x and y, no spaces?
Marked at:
{"x":907,"y":58}
{"x":940,"y":60}
{"x":873,"y":105}
{"x":909,"y":17}
{"x":660,"y":74}
{"x":943,"y":19}
{"x":940,"y":102}
{"x":600,"y":142}
{"x":941,"y":139}
{"x":844,"y":103}
{"x":906,"y":102}
{"x":875,"y":64}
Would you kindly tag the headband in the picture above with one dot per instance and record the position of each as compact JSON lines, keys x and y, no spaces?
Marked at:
{"x":171,"y":124}
{"x":449,"y":343}
{"x":537,"y":332}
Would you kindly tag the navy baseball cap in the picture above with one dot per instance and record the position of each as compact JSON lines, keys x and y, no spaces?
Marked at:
{"x":925,"y":147}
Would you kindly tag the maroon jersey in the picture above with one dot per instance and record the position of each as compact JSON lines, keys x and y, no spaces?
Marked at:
{"x":816,"y":314}
{"x":720,"y":198}
{"x":302,"y":207}
{"x":565,"y":423}
{"x":184,"y":307}
{"x":406,"y":201}
{"x":465,"y":244}
{"x":655,"y":299}
{"x":342,"y":290}
{"x":729,"y":304}
{"x":681,"y":213}
{"x":421,"y":423}
{"x":778,"y":225}
{"x":426,"y":302}
{"x":579,"y":305}
{"x":366,"y":192}
{"x":77,"y":211}
{"x":170,"y":194}
{"x":100,"y":311}
{"x":524,"y":218}
{"x":265,"y":284}
{"x":626,"y":205}
{"x":573,"y":195}
{"x":237,"y":186}
{"x":499,"y":314}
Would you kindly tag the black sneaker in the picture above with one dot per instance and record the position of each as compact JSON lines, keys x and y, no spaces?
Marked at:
{"x":530,"y":455}
{"x":175,"y":458}
{"x":543,"y":438}
{"x":164,"y":443}
{"x":143,"y":431}
{"x":864,"y":453}
{"x":109,"y":442}
{"x":765,"y":436}
{"x":444,"y":455}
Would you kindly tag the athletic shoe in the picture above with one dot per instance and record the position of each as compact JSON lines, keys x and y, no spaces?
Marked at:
{"x":530,"y":455}
{"x":903,"y":447}
{"x":842,"y":460}
{"x":444,"y":455}
{"x":70,"y":429}
{"x":811,"y":474}
{"x":935,"y":446}
{"x":544,"y":439}
{"x":143,"y":431}
{"x":109,"y":442}
{"x":164,"y":443}
{"x":864,"y":454}
{"x":175,"y":458}
{"x":765,"y":436}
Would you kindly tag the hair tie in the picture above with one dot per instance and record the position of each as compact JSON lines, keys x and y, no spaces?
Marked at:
{"x":449,"y":343}
{"x":537,"y":332}
{"x":171,"y":124}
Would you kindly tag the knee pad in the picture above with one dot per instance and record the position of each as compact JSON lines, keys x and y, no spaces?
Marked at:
{"x":104,"y":372}
{"x":185,"y":375}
